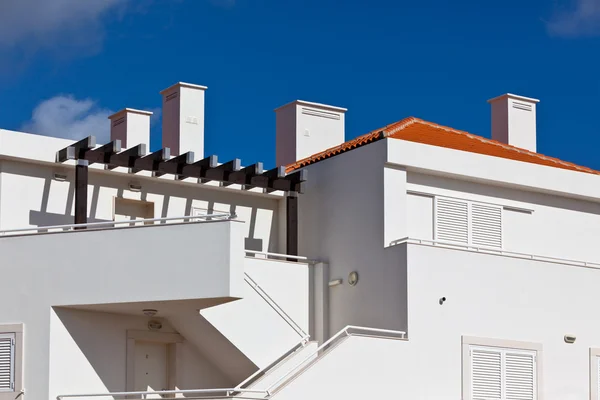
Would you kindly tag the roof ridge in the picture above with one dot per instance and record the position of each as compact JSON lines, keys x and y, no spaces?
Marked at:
{"x":505,"y":146}
{"x":394,"y":131}
{"x":403,"y":123}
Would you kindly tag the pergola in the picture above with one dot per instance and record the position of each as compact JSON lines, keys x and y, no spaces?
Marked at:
{"x":160,"y":162}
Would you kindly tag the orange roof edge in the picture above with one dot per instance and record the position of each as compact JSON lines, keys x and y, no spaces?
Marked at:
{"x":417,"y":130}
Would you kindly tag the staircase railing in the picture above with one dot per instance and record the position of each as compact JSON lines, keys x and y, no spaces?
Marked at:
{"x":304,"y":337}
{"x":238,"y":392}
{"x":349,"y":330}
{"x":273,"y":304}
{"x":262,"y":371}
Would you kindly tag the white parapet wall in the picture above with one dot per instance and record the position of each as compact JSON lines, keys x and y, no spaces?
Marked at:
{"x":273,"y":315}
{"x":116,"y":272}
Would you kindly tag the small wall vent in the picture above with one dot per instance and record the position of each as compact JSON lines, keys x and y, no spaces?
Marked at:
{"x":119,"y":121}
{"x":319,"y":113}
{"x":171,"y":96}
{"x":521,"y":106}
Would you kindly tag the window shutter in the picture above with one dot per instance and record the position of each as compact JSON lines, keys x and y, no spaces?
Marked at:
{"x":7,"y":358}
{"x":520,"y":375}
{"x":452,"y":220}
{"x":486,"y":374}
{"x":486,"y":225}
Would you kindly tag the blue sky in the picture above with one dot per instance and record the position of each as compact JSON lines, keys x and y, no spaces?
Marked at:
{"x":66,"y":64}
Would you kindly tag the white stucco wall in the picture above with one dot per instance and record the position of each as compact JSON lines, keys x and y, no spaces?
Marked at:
{"x":91,"y":268}
{"x":497,"y":297}
{"x":355,"y":205}
{"x":252,"y":324}
{"x":29,"y":196}
{"x":88,"y":353}
{"x":546,"y":225}
{"x":343,"y":223}
{"x":76,"y":268}
{"x":357,"y":368}
{"x":487,"y":296}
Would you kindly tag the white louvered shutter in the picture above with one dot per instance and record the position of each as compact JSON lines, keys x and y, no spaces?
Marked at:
{"x":520,"y":375}
{"x":452,"y":220}
{"x":486,"y":225}
{"x":7,"y":361}
{"x":503,"y":374}
{"x":486,"y":374}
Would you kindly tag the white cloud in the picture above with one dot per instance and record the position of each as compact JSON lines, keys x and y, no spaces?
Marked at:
{"x":66,"y":117}
{"x":55,"y":23}
{"x":581,"y":19}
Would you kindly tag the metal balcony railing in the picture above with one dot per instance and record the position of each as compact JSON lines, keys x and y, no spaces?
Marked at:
{"x":201,"y":394}
{"x":117,"y":224}
{"x":494,"y":251}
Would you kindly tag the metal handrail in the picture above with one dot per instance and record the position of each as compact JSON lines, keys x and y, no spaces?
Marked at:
{"x":261,"y":371}
{"x":276,"y":255}
{"x":228,"y":392}
{"x":374,"y":332}
{"x":37,"y":229}
{"x":495,"y":251}
{"x":262,"y":293}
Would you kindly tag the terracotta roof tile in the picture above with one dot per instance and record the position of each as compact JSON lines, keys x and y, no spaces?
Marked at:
{"x":420,"y":131}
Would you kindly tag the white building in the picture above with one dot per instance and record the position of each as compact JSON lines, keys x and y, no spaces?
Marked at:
{"x":417,"y":261}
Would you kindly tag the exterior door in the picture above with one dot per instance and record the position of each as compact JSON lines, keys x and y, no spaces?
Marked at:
{"x":151,"y":367}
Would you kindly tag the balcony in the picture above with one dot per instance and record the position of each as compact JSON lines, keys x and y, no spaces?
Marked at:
{"x":198,"y":261}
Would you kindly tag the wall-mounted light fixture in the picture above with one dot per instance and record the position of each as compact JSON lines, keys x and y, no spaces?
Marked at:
{"x":353,"y":278}
{"x":335,"y":282}
{"x":135,"y":187}
{"x":570,"y":339}
{"x":149,"y":312}
{"x":154,"y":325}
{"x":59,"y":177}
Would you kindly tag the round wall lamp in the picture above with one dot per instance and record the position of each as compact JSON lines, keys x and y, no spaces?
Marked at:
{"x":353,"y":278}
{"x":149,"y":312}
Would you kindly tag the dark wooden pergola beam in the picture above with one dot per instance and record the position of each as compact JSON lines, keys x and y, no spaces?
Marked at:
{"x":76,"y":150}
{"x":175,"y":165}
{"x":199,"y":168}
{"x":244,"y":176}
{"x":222,"y":172}
{"x":127,"y":158}
{"x":182,"y":166}
{"x":289,"y":183}
{"x":266,"y":178}
{"x":151,"y":161}
{"x":103,"y":153}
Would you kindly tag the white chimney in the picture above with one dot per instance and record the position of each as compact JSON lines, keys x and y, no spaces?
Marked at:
{"x":513,"y":120}
{"x":305,"y":128}
{"x":130,"y":126}
{"x":183,"y":119}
